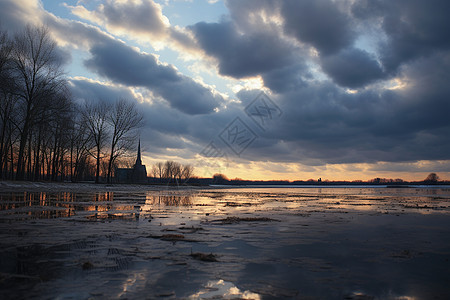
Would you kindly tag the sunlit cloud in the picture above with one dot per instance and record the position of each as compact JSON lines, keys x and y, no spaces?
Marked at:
{"x":142,"y":19}
{"x":396,"y":84}
{"x":253,"y":83}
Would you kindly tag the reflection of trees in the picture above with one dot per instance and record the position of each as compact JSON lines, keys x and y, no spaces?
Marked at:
{"x":42,"y":205}
{"x":39,"y":203}
{"x":170,"y":200}
{"x":107,"y":196}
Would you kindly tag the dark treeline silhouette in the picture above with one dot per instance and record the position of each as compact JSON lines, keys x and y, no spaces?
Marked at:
{"x":221,"y":179}
{"x":171,"y":172}
{"x":44,"y":133}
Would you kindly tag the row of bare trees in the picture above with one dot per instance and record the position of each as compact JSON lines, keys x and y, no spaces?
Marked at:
{"x":44,"y":133}
{"x":172,"y":172}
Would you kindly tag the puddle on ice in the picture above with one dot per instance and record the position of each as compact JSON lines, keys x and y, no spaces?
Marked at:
{"x":245,"y":243}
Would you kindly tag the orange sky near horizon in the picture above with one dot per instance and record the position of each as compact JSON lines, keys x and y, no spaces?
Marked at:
{"x":250,"y":170}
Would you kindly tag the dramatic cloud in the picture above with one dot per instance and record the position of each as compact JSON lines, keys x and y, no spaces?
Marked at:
{"x":290,"y":77}
{"x":241,"y":55}
{"x":125,"y":65}
{"x":413,"y":28}
{"x":138,"y":17}
{"x":352,"y":68}
{"x":13,"y":14}
{"x":84,"y":89}
{"x":319,"y":23}
{"x":324,"y":124}
{"x":141,"y":20}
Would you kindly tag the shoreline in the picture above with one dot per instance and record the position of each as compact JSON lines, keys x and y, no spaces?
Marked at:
{"x":14,"y":186}
{"x":17,"y":186}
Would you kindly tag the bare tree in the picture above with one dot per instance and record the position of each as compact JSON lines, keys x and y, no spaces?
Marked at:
{"x":5,"y":51}
{"x":187,"y":172}
{"x":7,"y":100}
{"x":126,"y":162}
{"x":158,"y":170}
{"x":37,"y":74}
{"x":154,"y":171}
{"x":124,"y":120}
{"x":177,"y":172}
{"x":168,"y":170}
{"x":8,"y":132}
{"x":172,"y":171}
{"x":95,"y":117}
{"x":80,"y":140}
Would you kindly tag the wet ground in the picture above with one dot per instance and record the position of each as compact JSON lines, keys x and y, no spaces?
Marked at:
{"x":242,"y":243}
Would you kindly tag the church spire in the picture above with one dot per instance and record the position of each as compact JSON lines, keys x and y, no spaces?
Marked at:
{"x":138,"y":159}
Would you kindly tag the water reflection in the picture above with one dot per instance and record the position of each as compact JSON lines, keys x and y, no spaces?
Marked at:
{"x":167,"y":198}
{"x":221,"y":289}
{"x":92,"y":206}
{"x":127,"y":206}
{"x":279,"y":243}
{"x":49,"y":205}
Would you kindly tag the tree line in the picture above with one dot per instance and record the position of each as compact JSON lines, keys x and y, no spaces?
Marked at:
{"x":44,"y":133}
{"x":172,"y":172}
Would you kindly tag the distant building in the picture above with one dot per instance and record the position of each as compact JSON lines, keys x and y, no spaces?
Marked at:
{"x":137,"y":174}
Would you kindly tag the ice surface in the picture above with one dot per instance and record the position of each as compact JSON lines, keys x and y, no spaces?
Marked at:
{"x":66,"y":241}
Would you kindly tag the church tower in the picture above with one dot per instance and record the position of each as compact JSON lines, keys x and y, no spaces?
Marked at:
{"x":138,"y":159}
{"x":139,"y":170}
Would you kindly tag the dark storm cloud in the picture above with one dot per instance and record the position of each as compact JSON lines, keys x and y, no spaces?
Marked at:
{"x":116,"y":61}
{"x":125,"y":65}
{"x":242,"y":55}
{"x":63,"y":56}
{"x":414,"y":28}
{"x":427,"y":99}
{"x":249,"y":15}
{"x":84,"y":89}
{"x":319,"y":23}
{"x":323,"y":124}
{"x":352,"y":68}
{"x":290,"y":77}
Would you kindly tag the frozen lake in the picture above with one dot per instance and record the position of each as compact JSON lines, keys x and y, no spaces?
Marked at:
{"x":239,"y":243}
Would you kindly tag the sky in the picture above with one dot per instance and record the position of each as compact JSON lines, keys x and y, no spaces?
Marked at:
{"x":261,"y":89}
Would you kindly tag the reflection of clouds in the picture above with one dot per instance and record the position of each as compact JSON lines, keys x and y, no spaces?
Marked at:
{"x":135,"y":281}
{"x":223,"y":290}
